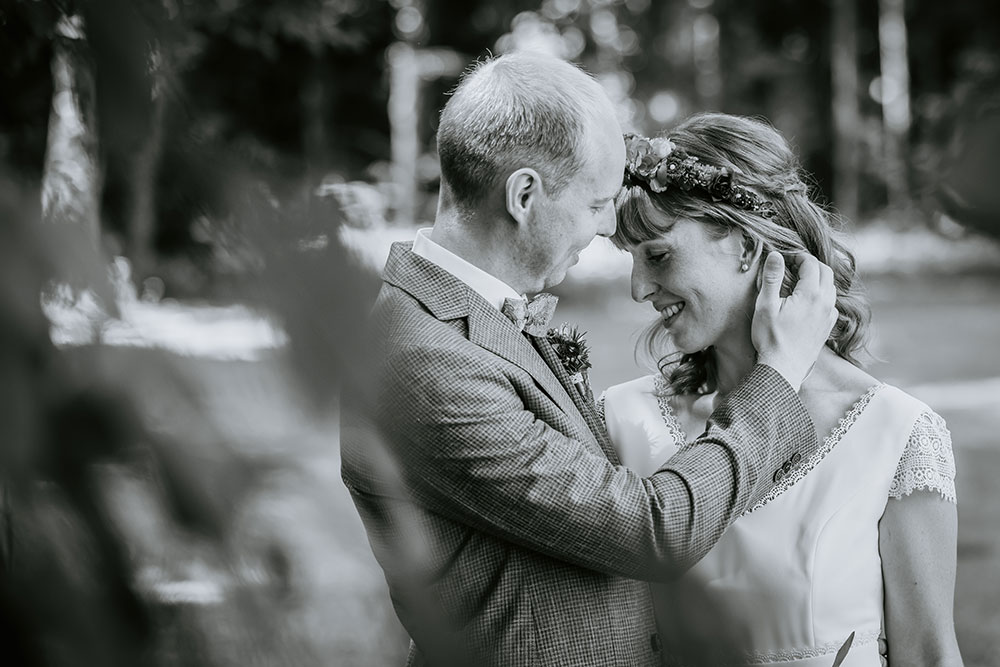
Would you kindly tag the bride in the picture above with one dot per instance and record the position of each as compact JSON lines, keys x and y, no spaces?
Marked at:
{"x":858,"y":541}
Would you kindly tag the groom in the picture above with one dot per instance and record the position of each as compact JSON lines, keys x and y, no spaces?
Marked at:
{"x":507,"y":530}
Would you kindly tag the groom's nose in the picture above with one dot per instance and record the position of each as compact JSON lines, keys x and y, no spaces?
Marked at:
{"x":608,"y":224}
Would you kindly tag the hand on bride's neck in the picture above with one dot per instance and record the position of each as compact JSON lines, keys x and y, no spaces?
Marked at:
{"x":735,"y":360}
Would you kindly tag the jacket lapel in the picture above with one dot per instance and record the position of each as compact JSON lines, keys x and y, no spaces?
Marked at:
{"x":491,"y":330}
{"x":448,"y":298}
{"x":583,"y":403}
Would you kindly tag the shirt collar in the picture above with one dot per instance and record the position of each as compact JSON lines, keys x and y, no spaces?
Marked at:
{"x":491,"y":288}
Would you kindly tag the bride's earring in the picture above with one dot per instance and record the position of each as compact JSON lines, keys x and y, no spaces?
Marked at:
{"x":744,"y":267}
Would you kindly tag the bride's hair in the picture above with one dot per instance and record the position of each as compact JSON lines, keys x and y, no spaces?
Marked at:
{"x":763,"y":162}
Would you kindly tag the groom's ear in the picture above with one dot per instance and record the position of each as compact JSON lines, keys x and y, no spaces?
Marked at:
{"x":523,"y":188}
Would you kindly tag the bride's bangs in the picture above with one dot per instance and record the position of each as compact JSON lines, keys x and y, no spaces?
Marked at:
{"x":638,"y":216}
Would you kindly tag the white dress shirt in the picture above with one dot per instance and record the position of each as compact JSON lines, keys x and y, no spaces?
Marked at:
{"x":491,"y":288}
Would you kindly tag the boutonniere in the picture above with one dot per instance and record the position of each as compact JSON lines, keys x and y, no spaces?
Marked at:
{"x":571,"y":348}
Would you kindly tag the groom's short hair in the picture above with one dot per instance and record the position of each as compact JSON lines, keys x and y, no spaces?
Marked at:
{"x":513,"y":111}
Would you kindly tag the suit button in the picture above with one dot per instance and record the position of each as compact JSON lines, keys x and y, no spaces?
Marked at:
{"x":778,"y":474}
{"x":796,"y":457}
{"x":787,"y":467}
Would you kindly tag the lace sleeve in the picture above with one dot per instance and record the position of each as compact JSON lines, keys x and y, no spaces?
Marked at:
{"x":600,"y":407}
{"x":928,"y":461}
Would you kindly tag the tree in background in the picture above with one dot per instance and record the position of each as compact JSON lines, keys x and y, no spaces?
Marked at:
{"x":893,"y":90}
{"x":846,"y":108}
{"x":72,"y":177}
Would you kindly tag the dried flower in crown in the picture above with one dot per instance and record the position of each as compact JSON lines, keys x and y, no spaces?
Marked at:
{"x":658,"y":163}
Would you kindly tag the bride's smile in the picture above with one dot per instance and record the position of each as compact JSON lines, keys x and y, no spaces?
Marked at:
{"x":691,"y":274}
{"x":670,"y":312}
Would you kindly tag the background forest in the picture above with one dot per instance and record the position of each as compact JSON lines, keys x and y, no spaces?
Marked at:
{"x":185,"y":102}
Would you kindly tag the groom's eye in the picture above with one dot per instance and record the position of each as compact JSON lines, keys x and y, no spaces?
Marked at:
{"x":598,"y":207}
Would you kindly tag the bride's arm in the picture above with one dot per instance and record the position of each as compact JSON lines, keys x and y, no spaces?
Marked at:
{"x":918,"y":542}
{"x":917,"y":539}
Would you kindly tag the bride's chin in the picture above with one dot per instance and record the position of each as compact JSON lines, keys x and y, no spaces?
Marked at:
{"x":681,"y":345}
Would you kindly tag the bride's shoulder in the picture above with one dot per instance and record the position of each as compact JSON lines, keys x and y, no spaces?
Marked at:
{"x":647,"y":384}
{"x":841,"y":383}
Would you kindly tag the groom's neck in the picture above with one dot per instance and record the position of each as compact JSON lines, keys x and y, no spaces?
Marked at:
{"x":473,"y":244}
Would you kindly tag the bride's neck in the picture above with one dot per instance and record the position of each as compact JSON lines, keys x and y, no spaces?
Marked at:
{"x":735,"y":357}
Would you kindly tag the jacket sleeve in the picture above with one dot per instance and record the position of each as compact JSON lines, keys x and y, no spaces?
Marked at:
{"x":466,"y":448}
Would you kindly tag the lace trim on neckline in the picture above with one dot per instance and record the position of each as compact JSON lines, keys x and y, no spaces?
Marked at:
{"x":838,"y":432}
{"x":789,"y":655}
{"x":662,"y":392}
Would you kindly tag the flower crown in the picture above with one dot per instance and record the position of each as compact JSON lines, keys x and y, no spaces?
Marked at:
{"x":659,"y":163}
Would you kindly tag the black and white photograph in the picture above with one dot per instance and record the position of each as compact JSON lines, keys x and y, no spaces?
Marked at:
{"x":499,"y":333}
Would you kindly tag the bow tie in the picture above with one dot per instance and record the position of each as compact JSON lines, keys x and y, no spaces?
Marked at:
{"x":533,"y":316}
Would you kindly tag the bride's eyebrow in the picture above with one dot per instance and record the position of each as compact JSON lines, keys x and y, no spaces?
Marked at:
{"x":646,"y":245}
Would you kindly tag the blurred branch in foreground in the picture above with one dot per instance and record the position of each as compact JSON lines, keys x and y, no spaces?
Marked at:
{"x":311,"y":283}
{"x":131,"y":524}
{"x":967,"y":188}
{"x":65,"y":595}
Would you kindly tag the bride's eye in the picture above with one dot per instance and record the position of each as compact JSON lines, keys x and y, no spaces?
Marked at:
{"x":657,"y":257}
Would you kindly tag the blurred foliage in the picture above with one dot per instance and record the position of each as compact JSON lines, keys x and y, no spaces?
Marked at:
{"x":153,"y":509}
{"x":959,"y":163}
{"x":57,"y":419}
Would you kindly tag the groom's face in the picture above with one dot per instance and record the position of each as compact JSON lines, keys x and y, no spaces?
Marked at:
{"x":567,"y":223}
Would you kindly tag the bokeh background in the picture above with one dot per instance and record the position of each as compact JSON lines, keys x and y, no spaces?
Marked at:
{"x":197,"y":195}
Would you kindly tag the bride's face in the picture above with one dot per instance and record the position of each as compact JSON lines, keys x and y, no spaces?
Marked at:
{"x":691,"y":276}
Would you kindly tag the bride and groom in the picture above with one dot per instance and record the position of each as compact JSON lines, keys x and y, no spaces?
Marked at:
{"x":692,"y":516}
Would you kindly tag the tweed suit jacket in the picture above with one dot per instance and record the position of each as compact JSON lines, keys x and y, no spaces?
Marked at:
{"x":507,"y":531}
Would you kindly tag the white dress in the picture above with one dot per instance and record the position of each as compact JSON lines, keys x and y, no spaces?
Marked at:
{"x":800,"y":571}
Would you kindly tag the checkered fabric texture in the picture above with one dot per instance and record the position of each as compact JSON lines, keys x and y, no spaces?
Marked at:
{"x":507,"y":532}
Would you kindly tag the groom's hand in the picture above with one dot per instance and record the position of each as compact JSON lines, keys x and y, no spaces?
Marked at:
{"x":790,"y":332}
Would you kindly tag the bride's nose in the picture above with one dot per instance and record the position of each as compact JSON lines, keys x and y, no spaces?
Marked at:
{"x":643,"y":288}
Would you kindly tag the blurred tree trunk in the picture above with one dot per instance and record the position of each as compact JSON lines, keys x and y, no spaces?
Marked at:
{"x":71,"y":182}
{"x":141,"y":207}
{"x":404,"y":87}
{"x":846,"y":111}
{"x":314,"y":114}
{"x":895,"y":96}
{"x":6,"y":531}
{"x":706,"y":59}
